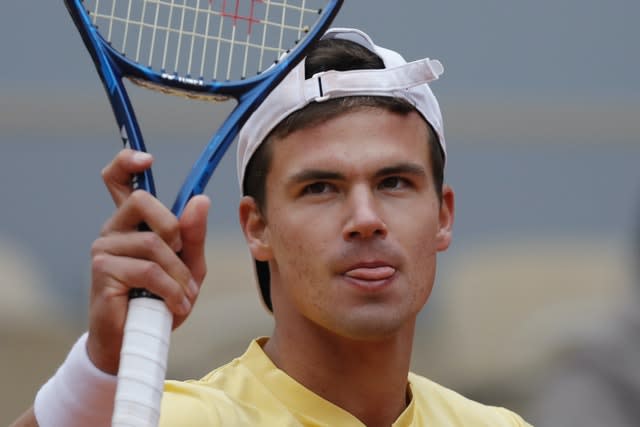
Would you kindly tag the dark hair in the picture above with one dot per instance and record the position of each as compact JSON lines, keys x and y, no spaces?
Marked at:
{"x":339,"y":55}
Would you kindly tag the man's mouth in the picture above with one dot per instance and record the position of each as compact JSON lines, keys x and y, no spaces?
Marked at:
{"x":371,"y":273}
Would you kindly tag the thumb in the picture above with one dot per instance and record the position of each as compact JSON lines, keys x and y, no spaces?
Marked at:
{"x":193,"y":229}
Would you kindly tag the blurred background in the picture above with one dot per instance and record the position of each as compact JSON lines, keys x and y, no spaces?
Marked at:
{"x":542,"y":114}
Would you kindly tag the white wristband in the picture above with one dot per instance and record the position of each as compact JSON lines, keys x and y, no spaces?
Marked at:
{"x":78,"y":395}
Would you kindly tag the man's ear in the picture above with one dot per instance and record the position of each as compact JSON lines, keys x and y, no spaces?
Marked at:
{"x":255,"y":230}
{"x":446,"y":218}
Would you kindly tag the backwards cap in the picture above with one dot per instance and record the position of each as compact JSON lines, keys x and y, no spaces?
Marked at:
{"x":398,"y":79}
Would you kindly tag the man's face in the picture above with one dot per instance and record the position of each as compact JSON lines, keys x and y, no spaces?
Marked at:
{"x":353,"y":224}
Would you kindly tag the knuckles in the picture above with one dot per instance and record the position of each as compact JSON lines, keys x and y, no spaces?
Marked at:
{"x":139,"y":198}
{"x":105,"y":174}
{"x":151,"y":242}
{"x":99,"y":247}
{"x":151,"y":273}
{"x":99,"y":264}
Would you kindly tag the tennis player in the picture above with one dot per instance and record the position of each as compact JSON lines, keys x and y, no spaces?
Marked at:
{"x":344,"y":211}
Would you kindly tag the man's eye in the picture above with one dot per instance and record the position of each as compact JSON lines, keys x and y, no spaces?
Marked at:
{"x":318,"y":188}
{"x":393,"y":183}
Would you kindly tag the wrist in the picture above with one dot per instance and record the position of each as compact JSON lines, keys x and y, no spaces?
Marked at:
{"x":79,"y":394}
{"x":102,"y":356}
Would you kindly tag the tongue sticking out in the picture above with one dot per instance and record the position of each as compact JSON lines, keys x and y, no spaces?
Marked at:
{"x":371,"y":273}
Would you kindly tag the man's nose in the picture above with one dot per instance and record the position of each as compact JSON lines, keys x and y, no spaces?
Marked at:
{"x":364,"y":220}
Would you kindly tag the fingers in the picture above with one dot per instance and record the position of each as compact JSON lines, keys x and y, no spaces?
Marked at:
{"x":141,"y":207}
{"x":157,"y":266}
{"x":117,"y":175}
{"x":193,"y":230}
{"x":153,"y":266}
{"x":110,"y":300}
{"x":121,"y":273}
{"x":120,"y":262}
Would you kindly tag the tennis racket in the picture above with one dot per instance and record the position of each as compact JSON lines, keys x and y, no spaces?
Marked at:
{"x":202,"y":49}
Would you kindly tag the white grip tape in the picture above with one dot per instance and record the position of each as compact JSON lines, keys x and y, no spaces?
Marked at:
{"x":143,"y":364}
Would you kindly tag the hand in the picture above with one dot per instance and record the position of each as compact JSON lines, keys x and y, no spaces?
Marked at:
{"x":125,"y":258}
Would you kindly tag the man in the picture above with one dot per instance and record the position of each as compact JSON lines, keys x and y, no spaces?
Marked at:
{"x":344,"y":211}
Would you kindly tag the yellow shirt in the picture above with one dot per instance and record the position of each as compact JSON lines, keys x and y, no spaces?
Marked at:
{"x":252,"y":391}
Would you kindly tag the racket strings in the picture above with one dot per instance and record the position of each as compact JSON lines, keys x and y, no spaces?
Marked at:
{"x":204,"y":39}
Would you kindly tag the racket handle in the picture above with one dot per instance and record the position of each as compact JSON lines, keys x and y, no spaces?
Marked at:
{"x":143,"y":364}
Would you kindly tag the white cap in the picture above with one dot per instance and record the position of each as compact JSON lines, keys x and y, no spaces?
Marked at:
{"x":398,"y":79}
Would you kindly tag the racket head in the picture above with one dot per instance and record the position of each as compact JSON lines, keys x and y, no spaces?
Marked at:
{"x":209,"y":49}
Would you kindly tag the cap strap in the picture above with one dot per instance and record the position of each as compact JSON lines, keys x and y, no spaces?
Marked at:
{"x":382,"y":82}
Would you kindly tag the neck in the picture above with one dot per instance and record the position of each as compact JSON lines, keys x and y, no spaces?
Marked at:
{"x":367,"y":378}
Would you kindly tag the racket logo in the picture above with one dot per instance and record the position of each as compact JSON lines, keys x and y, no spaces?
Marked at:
{"x":236,"y":15}
{"x":182,"y":79}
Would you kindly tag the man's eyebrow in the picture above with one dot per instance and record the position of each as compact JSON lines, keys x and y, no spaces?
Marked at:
{"x":329,"y":175}
{"x":402,"y":169}
{"x":315,"y":175}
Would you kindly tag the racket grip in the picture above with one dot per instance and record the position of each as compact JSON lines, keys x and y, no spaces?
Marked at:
{"x":143,"y":364}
